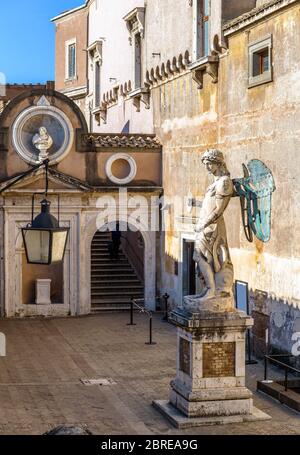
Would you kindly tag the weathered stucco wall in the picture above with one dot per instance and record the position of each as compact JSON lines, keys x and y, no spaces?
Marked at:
{"x":162,"y":23}
{"x":262,"y":122}
{"x":244,"y":123}
{"x":117,"y":66}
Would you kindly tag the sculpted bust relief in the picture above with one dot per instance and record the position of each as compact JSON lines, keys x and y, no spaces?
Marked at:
{"x":43,"y":142}
{"x":211,"y":248}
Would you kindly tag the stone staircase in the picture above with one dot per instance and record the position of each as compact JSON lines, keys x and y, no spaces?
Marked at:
{"x":114,"y":281}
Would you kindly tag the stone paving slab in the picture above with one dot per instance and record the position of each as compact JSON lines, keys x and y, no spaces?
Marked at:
{"x":41,"y":388}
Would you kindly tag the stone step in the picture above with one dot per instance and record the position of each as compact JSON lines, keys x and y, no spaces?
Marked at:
{"x":104,"y":254}
{"x":132,"y":284}
{"x":108,"y":261}
{"x":110,"y":307}
{"x":132,"y":279}
{"x":117,"y":287}
{"x":116,"y":276}
{"x":110,"y":300}
{"x":128,"y":293}
{"x":112,"y":279}
{"x":97,"y":274}
{"x":101,"y":241}
{"x":104,"y":267}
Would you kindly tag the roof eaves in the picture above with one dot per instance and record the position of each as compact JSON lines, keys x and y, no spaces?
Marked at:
{"x":70,"y":11}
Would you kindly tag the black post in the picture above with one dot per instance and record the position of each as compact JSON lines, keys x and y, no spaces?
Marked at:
{"x":150,"y":331}
{"x":250,"y":361}
{"x":266,"y":368}
{"x":286,"y":379}
{"x":131,"y":312}
{"x":166,"y":298}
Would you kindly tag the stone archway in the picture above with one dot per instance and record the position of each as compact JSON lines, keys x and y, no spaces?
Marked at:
{"x":89,"y":228}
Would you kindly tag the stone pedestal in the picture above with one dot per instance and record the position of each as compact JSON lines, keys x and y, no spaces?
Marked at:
{"x":209,"y":387}
{"x":42,"y":292}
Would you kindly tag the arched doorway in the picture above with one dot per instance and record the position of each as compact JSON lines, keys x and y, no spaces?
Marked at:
{"x":89,"y":227}
{"x":117,"y":269}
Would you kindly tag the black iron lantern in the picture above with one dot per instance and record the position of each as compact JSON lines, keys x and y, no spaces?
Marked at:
{"x":45,"y":242}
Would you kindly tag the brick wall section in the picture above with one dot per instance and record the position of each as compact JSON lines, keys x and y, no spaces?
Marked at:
{"x":13,"y":90}
{"x":218,"y":360}
{"x":71,"y":27}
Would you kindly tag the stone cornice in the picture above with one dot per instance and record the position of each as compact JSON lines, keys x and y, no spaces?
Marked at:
{"x":255,"y":15}
{"x":133,"y":141}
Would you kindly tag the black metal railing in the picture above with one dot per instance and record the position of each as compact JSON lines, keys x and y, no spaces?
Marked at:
{"x":139,"y":304}
{"x":287,"y":368}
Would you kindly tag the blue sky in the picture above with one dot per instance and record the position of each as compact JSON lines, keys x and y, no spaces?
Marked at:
{"x":27,"y":38}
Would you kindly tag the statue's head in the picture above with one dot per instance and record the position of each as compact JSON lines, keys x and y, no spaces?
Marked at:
{"x":43,"y":131}
{"x":214,"y":161}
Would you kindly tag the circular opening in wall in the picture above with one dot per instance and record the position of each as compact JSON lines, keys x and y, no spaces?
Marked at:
{"x":121,"y":168}
{"x":27,"y":130}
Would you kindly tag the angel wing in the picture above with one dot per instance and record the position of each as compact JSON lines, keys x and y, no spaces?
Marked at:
{"x":255,"y":191}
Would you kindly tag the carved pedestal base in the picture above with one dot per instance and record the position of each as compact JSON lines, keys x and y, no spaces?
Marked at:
{"x":209,"y":387}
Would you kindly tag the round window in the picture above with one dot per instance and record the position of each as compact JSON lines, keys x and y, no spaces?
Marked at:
{"x":121,"y":168}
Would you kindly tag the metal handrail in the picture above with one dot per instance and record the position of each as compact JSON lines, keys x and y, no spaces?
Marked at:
{"x":282,"y":364}
{"x":132,"y":250}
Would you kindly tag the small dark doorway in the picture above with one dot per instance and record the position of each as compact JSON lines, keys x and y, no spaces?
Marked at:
{"x":188,"y":268}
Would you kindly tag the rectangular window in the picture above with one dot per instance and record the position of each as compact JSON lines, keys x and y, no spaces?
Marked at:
{"x":260,"y":65}
{"x":205,"y":22}
{"x":137,"y":61}
{"x":97,"y":84}
{"x":261,"y":62}
{"x":71,"y":59}
{"x":202,"y":18}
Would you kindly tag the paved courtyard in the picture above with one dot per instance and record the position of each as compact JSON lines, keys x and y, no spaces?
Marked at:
{"x":40,"y":385}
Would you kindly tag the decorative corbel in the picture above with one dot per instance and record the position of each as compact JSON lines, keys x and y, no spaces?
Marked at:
{"x":209,"y":65}
{"x":103,"y":114}
{"x":140,"y":17}
{"x":146,"y":98}
{"x":137,"y":102}
{"x":95,"y":51}
{"x":197,"y":76}
{"x":213,"y":70}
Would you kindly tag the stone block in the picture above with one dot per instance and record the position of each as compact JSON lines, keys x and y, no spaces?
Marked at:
{"x":42,"y":292}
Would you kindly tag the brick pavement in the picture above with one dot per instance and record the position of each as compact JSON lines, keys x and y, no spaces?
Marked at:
{"x":40,"y":384}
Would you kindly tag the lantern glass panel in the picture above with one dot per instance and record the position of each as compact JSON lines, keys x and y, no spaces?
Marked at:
{"x":37,"y":245}
{"x":59,"y":240}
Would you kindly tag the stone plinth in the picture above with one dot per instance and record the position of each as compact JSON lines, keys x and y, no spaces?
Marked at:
{"x":209,"y":387}
{"x":42,"y":292}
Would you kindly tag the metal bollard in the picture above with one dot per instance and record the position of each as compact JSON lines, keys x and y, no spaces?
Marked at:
{"x":286,"y":379}
{"x":166,"y":298}
{"x":150,"y":331}
{"x":131,"y":313}
{"x":266,"y":369}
